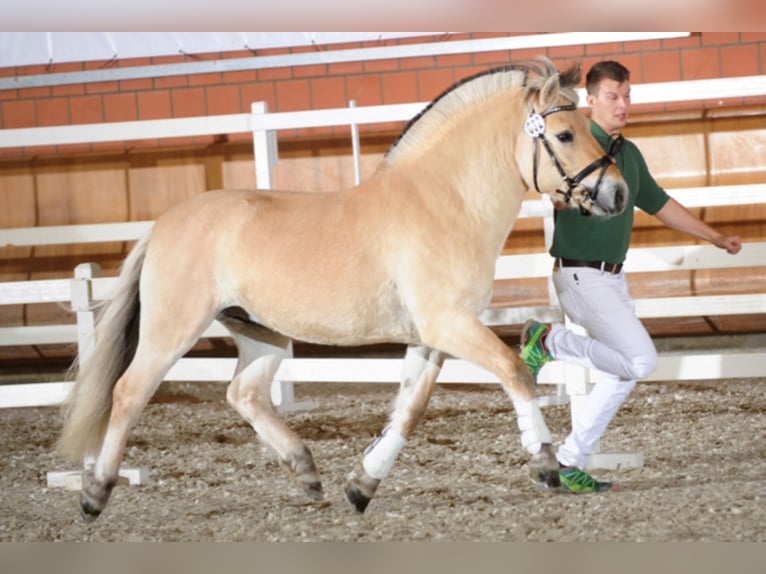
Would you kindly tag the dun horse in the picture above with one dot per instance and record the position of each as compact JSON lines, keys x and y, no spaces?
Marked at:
{"x":407,"y":256}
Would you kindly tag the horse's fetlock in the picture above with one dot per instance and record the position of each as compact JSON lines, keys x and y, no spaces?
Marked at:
{"x":301,"y":465}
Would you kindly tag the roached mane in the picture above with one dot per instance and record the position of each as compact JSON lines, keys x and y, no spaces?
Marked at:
{"x":531,"y":75}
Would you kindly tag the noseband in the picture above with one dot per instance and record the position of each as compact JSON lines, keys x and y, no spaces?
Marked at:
{"x":535,"y":127}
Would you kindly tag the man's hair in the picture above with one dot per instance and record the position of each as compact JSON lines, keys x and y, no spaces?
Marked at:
{"x":608,"y":69}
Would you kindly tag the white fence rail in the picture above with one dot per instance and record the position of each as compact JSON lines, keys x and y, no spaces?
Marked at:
{"x":264,"y":125}
{"x":748,"y":362}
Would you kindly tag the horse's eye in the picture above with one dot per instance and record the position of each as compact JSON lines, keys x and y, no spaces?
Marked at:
{"x":565,"y":137}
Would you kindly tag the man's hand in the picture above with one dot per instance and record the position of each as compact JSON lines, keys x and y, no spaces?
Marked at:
{"x":730,"y":243}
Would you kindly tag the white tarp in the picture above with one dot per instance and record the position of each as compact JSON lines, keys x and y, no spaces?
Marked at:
{"x":28,"y":48}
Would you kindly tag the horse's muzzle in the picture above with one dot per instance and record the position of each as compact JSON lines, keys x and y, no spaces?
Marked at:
{"x":611,"y":198}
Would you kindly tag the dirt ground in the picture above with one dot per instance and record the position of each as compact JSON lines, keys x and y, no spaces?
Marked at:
{"x":461,"y":478}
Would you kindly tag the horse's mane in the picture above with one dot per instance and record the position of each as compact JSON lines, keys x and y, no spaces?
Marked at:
{"x":530,"y":75}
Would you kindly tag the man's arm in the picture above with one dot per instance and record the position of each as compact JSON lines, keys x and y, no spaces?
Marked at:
{"x":676,"y":216}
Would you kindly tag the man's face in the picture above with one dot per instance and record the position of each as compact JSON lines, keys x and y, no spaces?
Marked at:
{"x":610,"y":105}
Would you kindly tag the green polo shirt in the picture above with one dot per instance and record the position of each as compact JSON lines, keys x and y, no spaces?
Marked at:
{"x":608,"y":238}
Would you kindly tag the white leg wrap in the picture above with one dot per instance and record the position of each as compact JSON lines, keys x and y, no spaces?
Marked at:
{"x":380,"y":455}
{"x":534,"y":431}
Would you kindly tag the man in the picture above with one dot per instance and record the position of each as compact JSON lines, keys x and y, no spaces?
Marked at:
{"x":591,"y":287}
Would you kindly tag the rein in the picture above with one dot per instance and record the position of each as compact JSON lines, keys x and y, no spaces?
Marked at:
{"x":535,"y":127}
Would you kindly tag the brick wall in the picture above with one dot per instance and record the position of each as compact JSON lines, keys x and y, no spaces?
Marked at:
{"x":94,"y":183}
{"x":703,"y":55}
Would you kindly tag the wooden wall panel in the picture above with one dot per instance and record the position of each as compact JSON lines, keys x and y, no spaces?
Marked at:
{"x":156,"y":184}
{"x":17,"y":209}
{"x":237,"y":170}
{"x":73,"y":192}
{"x":324,"y":166}
{"x":676,"y":153}
{"x":738,"y":152}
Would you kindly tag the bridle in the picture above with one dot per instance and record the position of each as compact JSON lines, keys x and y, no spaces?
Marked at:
{"x":534,"y":126}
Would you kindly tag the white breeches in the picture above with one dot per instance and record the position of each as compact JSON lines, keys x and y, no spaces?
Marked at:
{"x":617,"y":344}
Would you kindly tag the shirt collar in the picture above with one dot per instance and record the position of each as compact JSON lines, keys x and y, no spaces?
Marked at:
{"x":603,"y":138}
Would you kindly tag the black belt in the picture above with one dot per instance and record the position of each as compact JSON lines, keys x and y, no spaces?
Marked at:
{"x":601,"y":265}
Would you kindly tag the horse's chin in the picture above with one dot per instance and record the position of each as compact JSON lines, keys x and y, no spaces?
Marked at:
{"x":586,"y":208}
{"x":594,"y":209}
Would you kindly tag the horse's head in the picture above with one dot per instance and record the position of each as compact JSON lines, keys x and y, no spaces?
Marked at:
{"x":558,"y":155}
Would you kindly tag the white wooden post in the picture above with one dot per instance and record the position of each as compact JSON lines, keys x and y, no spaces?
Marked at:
{"x":561,"y":397}
{"x":266,"y":158}
{"x":283,"y":393}
{"x":264,"y":148}
{"x":82,"y":304}
{"x":576,"y":378}
{"x":355,"y":148}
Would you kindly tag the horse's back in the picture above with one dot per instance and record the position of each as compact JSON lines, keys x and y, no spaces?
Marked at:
{"x":309,"y":265}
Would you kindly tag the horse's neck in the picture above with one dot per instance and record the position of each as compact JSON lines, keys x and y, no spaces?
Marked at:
{"x":472,"y":170}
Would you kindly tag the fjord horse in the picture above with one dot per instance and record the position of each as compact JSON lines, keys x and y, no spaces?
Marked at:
{"x":407,"y":256}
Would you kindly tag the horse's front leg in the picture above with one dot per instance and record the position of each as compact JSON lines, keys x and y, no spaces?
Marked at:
{"x":421,"y":368}
{"x":468,"y":338}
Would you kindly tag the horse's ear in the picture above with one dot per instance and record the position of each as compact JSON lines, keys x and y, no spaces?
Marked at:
{"x":549,"y":92}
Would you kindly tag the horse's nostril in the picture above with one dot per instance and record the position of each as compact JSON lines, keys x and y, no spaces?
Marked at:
{"x":619,"y":198}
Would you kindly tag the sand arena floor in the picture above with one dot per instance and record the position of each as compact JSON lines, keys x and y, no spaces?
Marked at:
{"x":461,"y":478}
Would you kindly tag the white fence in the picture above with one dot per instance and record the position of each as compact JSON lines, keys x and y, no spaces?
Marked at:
{"x":84,"y":288}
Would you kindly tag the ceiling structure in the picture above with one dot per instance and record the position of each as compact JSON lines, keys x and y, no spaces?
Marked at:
{"x":50,"y":48}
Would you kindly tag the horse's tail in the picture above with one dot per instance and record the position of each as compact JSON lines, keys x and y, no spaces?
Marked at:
{"x":87,"y":409}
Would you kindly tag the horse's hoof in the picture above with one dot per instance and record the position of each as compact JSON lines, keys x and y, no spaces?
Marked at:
{"x":358,"y":500}
{"x":88,"y":511}
{"x":544,"y":468}
{"x":314,"y":491}
{"x":360,"y":488}
{"x":94,"y":496}
{"x":90,"y":508}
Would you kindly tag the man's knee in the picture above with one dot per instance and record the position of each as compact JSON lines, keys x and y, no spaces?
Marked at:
{"x":643,"y":366}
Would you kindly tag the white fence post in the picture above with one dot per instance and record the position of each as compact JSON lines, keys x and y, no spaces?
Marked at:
{"x":283,"y":392}
{"x":355,"y":148}
{"x":561,"y":397}
{"x":264,"y":148}
{"x":266,"y":158}
{"x":82,"y":304}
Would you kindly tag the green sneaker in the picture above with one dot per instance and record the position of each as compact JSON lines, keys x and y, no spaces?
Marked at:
{"x":578,"y":481}
{"x":533,"y":350}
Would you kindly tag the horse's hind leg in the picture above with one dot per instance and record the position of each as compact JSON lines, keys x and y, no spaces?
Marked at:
{"x":250,"y":395}
{"x":169,"y":326}
{"x":421,"y":368}
{"x":129,"y":397}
